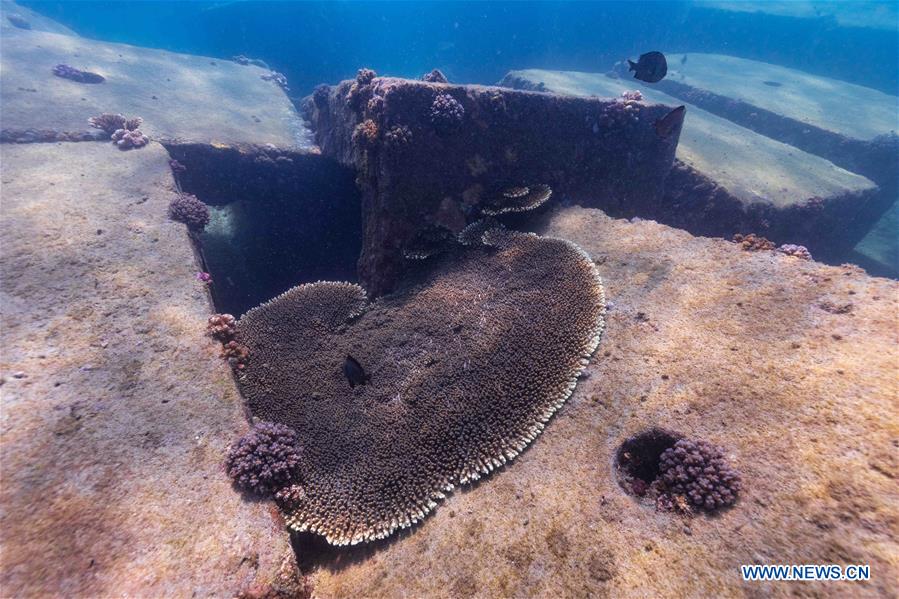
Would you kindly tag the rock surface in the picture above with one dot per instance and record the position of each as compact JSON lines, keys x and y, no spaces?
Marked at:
{"x":180,"y":97}
{"x":788,"y":364}
{"x":729,"y":179}
{"x":116,"y":411}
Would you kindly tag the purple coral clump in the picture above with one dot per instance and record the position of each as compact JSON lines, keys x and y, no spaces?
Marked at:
{"x":632,"y":96}
{"x":365,"y":76}
{"x":127,"y":139}
{"x":398,"y":137}
{"x":798,"y":251}
{"x":69,"y":72}
{"x":188,"y":209}
{"x":446,"y":113}
{"x":698,"y":471}
{"x":262,"y":462}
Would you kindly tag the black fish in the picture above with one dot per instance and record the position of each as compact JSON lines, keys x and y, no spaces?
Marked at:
{"x":650,"y":67}
{"x":683,"y":59}
{"x":354,"y":373}
{"x":668,"y":123}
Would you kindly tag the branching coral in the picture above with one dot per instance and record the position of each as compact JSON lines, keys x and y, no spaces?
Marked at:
{"x":222,"y":327}
{"x":466,"y":367}
{"x":435,"y":76}
{"x":69,"y":72}
{"x":124,"y":132}
{"x":365,"y":135}
{"x":446,"y":113}
{"x":109,"y":122}
{"x":236,"y":354}
{"x":188,"y":209}
{"x":360,"y":92}
{"x":698,"y":471}
{"x":517,"y":199}
{"x":264,"y":461}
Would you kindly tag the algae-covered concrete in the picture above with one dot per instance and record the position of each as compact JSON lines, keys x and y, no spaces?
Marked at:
{"x":116,"y":410}
{"x":182,"y":98}
{"x":790,"y":365}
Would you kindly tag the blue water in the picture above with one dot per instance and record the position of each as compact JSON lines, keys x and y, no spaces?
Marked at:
{"x":478,"y":42}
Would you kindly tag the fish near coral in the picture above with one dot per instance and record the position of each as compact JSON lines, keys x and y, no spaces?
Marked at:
{"x":650,"y":67}
{"x":354,"y":373}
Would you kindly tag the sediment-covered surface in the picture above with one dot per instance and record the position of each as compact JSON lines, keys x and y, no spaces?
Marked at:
{"x":180,"y":97}
{"x":788,"y":364}
{"x":116,"y":411}
{"x":729,"y":179}
{"x":432,"y":155}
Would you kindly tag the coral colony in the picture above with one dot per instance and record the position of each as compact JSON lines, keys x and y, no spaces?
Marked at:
{"x":698,"y":471}
{"x":446,"y":113}
{"x":71,"y":73}
{"x":301,"y":337}
{"x":188,"y":209}
{"x":123,"y":132}
{"x":263,"y":461}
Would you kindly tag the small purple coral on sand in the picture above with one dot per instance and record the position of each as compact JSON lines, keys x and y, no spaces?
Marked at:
{"x":123,"y":131}
{"x":798,"y":251}
{"x":698,"y":471}
{"x":176,"y":166}
{"x":188,"y":209}
{"x":446,"y":113}
{"x":263,"y":461}
{"x":204,"y":277}
{"x":632,"y":96}
{"x":109,"y":122}
{"x":69,"y":72}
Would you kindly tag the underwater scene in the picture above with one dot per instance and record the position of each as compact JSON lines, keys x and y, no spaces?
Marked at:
{"x":382,"y":299}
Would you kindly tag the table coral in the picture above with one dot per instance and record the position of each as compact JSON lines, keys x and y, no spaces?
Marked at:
{"x":466,"y":367}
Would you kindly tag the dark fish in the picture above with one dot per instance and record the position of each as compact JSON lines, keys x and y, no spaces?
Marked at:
{"x":671,"y":121}
{"x":683,"y":59}
{"x":772,"y":83}
{"x":650,"y":67}
{"x":355,"y":375}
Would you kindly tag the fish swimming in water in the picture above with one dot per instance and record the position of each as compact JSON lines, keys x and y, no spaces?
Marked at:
{"x":668,"y":123}
{"x":354,"y":372}
{"x":650,"y":67}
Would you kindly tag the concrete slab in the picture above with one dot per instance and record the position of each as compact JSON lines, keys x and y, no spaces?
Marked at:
{"x":878,"y":251}
{"x":15,"y":16}
{"x":180,"y":97}
{"x":874,"y":15}
{"x":116,"y":410}
{"x":789,"y":364}
{"x":731,"y":179}
{"x":852,"y":125}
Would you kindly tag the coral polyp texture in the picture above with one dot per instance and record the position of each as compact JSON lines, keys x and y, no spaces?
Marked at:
{"x":465,"y":368}
{"x":365,"y":135}
{"x":263,"y":461}
{"x":188,"y":209}
{"x":698,"y":471}
{"x":446,"y":113}
{"x":518,"y":199}
{"x":430,"y":241}
{"x":360,"y":92}
{"x":71,"y":73}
